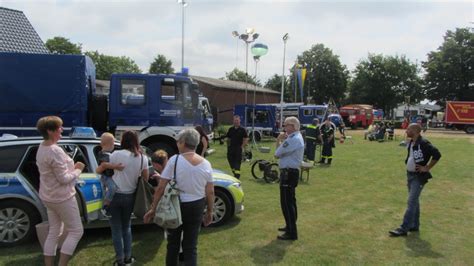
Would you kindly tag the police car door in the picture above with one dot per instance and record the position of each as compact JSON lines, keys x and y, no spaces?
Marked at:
{"x":88,"y":188}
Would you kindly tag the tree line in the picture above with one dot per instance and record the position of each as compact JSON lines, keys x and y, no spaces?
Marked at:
{"x":106,"y":65}
{"x":384,"y":81}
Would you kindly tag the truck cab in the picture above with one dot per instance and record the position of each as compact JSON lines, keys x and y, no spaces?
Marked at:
{"x":260,"y":119}
{"x":156,"y":105}
{"x":357,"y":115}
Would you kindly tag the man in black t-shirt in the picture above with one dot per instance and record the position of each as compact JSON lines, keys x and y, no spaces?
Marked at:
{"x":237,"y":139}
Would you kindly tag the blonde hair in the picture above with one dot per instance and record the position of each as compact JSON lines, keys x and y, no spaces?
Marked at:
{"x":293,"y":121}
{"x":107,"y":139}
{"x":48,"y":123}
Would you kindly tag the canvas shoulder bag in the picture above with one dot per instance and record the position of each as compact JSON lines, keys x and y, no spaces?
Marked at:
{"x":143,"y":195}
{"x":168,"y":211}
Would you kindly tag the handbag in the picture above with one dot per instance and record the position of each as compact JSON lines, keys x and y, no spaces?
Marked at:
{"x":143,"y":195}
{"x":168,"y":210}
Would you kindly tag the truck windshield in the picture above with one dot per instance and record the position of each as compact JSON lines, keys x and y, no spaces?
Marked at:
{"x":132,"y":92}
{"x":179,"y":93}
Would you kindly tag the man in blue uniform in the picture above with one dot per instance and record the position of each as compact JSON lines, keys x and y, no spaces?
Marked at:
{"x":237,"y":138}
{"x":290,"y":151}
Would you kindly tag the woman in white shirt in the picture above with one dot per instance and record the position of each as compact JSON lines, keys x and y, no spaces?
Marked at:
{"x":135,"y":165}
{"x":194,"y":180}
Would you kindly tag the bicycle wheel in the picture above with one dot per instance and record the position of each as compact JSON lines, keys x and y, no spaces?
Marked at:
{"x":258,"y":168}
{"x":272,"y":173}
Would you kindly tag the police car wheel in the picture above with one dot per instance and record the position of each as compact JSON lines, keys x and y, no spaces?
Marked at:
{"x":17,"y":222}
{"x":222,"y":210}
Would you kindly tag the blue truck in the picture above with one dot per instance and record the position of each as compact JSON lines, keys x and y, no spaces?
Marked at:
{"x":265,"y":121}
{"x":157,"y":106}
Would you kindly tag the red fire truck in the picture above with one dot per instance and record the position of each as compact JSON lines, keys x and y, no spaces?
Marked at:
{"x":357,"y":115}
{"x":460,"y":115}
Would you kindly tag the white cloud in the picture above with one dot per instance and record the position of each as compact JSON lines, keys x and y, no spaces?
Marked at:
{"x":140,"y":29}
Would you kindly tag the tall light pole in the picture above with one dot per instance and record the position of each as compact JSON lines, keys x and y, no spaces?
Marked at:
{"x":184,"y":4}
{"x":285,"y":38}
{"x":258,"y":50}
{"x":248,"y":37}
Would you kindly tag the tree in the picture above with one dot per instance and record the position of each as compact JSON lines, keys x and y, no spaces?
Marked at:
{"x":385,"y":82}
{"x":450,"y":69}
{"x":161,"y":65}
{"x":61,"y":45}
{"x":239,"y":75}
{"x":106,"y":65}
{"x":326,"y":77}
{"x":274,"y":83}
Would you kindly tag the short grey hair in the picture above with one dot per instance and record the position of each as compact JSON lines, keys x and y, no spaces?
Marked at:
{"x":294,"y":121}
{"x":190,"y":138}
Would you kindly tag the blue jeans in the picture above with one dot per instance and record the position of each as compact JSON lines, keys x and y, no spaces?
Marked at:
{"x":121,"y":209}
{"x":110,"y":187}
{"x":411,"y":219}
{"x":191,"y":213}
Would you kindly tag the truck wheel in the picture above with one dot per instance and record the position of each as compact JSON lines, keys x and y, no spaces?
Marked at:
{"x":469,"y":129}
{"x":258,"y":136}
{"x":17,"y":222}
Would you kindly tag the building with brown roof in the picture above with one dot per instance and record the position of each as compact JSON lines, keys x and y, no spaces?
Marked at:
{"x":224,"y":94}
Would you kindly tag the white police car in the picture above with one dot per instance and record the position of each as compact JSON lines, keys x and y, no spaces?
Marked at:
{"x":20,"y":206}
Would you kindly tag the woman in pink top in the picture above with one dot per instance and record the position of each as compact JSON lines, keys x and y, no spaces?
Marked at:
{"x":58,"y":175}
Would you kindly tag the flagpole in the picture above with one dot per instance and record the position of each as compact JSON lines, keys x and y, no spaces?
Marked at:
{"x":285,"y":38}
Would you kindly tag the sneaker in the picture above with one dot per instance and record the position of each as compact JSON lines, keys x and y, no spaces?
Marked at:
{"x":105,"y":212}
{"x":397,"y":232}
{"x":118,"y":263}
{"x":129,"y":261}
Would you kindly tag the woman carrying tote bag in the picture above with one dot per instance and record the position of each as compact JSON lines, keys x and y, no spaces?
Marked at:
{"x":196,"y":190}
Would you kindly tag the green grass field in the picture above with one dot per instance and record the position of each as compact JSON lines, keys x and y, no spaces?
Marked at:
{"x":344,"y":214}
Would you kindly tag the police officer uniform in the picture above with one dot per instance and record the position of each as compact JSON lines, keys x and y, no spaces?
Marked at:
{"x":236,"y":137}
{"x":312,"y":138}
{"x":291,"y":153}
{"x":327,"y":132}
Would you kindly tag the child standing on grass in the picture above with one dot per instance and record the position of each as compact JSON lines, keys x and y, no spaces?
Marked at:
{"x":107,"y":141}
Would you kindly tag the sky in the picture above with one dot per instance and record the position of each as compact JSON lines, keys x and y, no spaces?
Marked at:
{"x":141,"y":29}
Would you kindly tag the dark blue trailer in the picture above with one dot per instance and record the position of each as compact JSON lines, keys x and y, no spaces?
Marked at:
{"x":35,"y":85}
{"x":157,"y":106}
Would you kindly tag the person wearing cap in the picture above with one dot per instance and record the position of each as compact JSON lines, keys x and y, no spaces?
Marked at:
{"x":290,"y":151}
{"x":313,"y":137}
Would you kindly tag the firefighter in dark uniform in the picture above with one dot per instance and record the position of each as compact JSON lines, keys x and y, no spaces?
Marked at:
{"x":327,"y":131}
{"x":237,"y":139}
{"x":290,"y":151}
{"x":313,"y":138}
